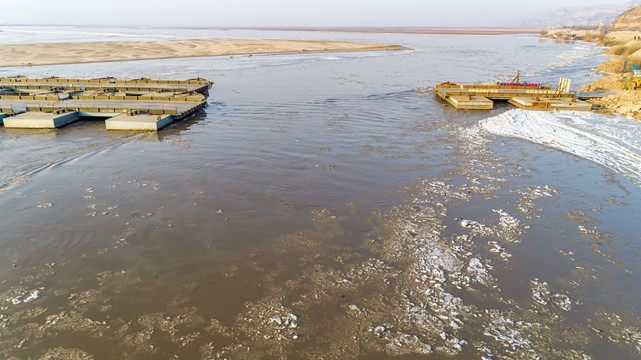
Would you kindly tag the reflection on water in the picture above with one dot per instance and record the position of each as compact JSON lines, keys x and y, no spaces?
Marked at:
{"x":318,"y":209}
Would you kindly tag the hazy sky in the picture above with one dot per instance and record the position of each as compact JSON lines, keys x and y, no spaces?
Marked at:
{"x":280,"y":12}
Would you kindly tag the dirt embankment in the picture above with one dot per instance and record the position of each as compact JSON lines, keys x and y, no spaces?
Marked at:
{"x":623,"y":41}
{"x":625,"y":46}
{"x":627,"y":102}
{"x":626,"y":52}
{"x":573,"y":34}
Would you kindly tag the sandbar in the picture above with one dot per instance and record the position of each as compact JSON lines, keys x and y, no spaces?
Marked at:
{"x":87,"y":52}
{"x":402,"y":30}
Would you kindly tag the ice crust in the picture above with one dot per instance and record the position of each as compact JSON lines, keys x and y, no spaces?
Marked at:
{"x":611,"y":141}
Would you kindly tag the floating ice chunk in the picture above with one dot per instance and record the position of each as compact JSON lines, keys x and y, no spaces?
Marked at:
{"x":467,"y":223}
{"x":277,"y":319}
{"x":475,"y":265}
{"x":496,"y":248}
{"x":478,"y":270}
{"x":562,"y":301}
{"x":270,"y":320}
{"x":408,"y":344}
{"x":34,"y":295}
{"x":510,"y":333}
{"x":26,"y":297}
{"x":471,"y":224}
{"x":477,"y":229}
{"x":54,"y":319}
{"x":286,"y":321}
{"x":540,"y":291}
{"x":508,"y":226}
{"x":380,"y":330}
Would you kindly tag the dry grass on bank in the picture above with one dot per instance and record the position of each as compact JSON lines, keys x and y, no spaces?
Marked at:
{"x":626,"y":49}
{"x":628,"y":53}
{"x":614,"y":38}
{"x":610,"y":82}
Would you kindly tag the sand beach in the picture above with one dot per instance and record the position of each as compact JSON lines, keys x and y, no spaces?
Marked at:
{"x":89,"y":52}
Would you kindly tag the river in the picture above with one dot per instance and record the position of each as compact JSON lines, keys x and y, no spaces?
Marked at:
{"x":322,"y":206}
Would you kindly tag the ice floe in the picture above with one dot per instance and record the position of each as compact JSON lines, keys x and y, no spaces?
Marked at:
{"x":541,"y":294}
{"x":513,"y":335}
{"x":404,"y":344}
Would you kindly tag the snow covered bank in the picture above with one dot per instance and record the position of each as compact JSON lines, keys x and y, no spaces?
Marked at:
{"x":611,"y":141}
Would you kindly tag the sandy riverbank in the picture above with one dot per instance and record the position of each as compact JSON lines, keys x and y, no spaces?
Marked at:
{"x":73,"y":53}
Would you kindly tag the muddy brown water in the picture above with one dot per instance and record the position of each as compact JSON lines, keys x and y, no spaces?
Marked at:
{"x":320,"y":207}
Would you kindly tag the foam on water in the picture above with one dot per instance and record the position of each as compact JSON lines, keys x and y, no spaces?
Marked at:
{"x":611,"y":141}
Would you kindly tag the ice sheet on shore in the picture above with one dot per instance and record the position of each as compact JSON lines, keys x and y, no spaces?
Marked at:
{"x":611,"y":141}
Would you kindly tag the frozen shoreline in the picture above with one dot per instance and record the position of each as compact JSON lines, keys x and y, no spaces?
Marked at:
{"x":611,"y":141}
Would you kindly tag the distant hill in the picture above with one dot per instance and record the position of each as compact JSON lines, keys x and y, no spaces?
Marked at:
{"x":587,"y":16}
{"x":629,"y":20}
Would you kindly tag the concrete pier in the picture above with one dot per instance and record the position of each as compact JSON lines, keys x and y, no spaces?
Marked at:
{"x":40,"y":120}
{"x":471,"y":102}
{"x":530,"y":103}
{"x":141,"y":104}
{"x":145,"y":122}
{"x":528,"y":97}
{"x":145,"y":85}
